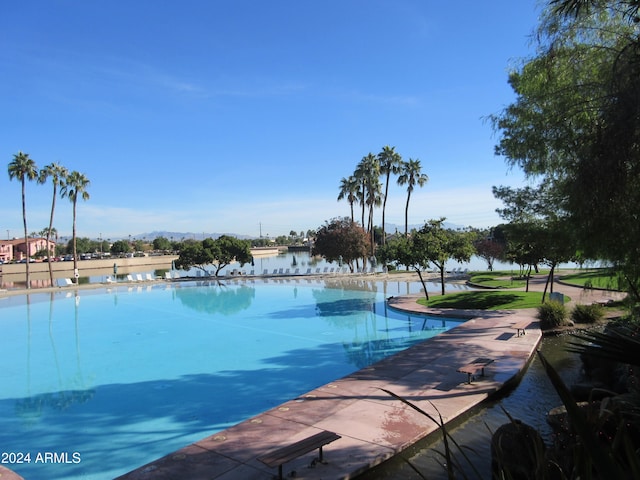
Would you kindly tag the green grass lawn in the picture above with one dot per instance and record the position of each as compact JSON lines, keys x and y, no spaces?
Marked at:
{"x":489,"y":300}
{"x":497,"y":279}
{"x":598,"y":278}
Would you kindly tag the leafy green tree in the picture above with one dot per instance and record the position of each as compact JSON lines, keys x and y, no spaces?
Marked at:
{"x":410,"y":251}
{"x":575,"y":125}
{"x":58,"y":174}
{"x":194,"y":254}
{"x":161,"y":243}
{"x":390,"y":163}
{"x":75,"y":187}
{"x":231,"y":249}
{"x":104,"y":246}
{"x":524,"y":246}
{"x":83,"y":245}
{"x":120,"y":246}
{"x":282,"y":240}
{"x":440,"y":245}
{"x":218,"y":253}
{"x":411,"y":175}
{"x":341,"y":240}
{"x":23,"y":168}
{"x":540,"y":232}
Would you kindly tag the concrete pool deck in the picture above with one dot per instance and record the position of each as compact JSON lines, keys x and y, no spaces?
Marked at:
{"x":373,"y":425}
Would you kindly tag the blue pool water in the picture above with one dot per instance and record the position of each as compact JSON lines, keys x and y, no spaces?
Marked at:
{"x":95,"y":383}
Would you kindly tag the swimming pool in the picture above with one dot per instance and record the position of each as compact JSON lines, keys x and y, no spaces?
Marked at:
{"x":105,"y":381}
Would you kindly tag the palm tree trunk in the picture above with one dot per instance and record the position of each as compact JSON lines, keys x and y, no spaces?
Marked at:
{"x":406,"y":215}
{"x":384,"y":207}
{"x":26,"y":235}
{"x":363,"y":204}
{"x":371,"y":229}
{"x":53,"y":206}
{"x":75,"y":250}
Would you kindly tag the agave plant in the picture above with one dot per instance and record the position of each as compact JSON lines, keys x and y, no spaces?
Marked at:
{"x":619,"y":344}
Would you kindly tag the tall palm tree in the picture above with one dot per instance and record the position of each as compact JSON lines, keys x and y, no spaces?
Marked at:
{"x":390,"y":162}
{"x":58,"y":175}
{"x":411,"y":175}
{"x":349,"y":189}
{"x":368,"y":175}
{"x":361,"y":172}
{"x":75,"y":187}
{"x":23,"y":168}
{"x":368,"y":172}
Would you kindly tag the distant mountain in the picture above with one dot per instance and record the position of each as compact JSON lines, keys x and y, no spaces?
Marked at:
{"x":392,"y":227}
{"x":186,"y":235}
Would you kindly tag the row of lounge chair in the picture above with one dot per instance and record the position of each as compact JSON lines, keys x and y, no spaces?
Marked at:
{"x":277,"y":272}
{"x":138,"y":277}
{"x":455,"y":271}
{"x":309,"y":271}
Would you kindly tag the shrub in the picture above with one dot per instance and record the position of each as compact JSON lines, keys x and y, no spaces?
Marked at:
{"x":587,"y":313}
{"x":552,"y":314}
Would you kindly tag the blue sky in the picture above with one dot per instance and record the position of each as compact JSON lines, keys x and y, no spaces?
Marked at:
{"x":228,"y":116}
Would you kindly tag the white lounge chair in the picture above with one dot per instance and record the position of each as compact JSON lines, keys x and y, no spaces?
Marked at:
{"x":65,"y":282}
{"x":167,"y":275}
{"x":148,"y":277}
{"x":139,"y":277}
{"x":130,"y":278}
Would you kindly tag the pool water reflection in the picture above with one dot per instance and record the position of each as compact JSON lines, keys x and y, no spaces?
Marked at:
{"x":125,"y":375}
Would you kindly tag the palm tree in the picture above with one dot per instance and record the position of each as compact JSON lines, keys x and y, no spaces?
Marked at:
{"x":75,"y":187}
{"x":411,"y":175}
{"x":58,"y":175}
{"x":368,"y":173}
{"x":368,"y":176}
{"x":390,"y":162}
{"x":360,"y":175}
{"x":349,"y":189}
{"x":23,"y":168}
